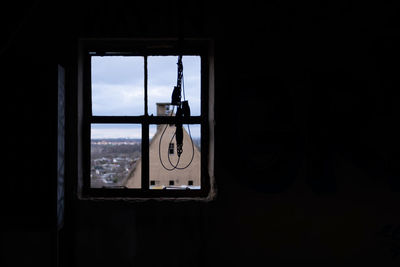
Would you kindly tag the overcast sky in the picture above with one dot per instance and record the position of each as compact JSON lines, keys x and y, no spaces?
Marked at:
{"x":118,"y":89}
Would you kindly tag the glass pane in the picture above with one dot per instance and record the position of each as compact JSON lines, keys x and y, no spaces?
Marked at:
{"x":162,"y":77}
{"x":169,"y":171}
{"x":115,"y":155}
{"x":117,"y":86}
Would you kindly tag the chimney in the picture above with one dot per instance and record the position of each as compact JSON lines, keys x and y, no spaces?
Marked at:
{"x":163,"y":109}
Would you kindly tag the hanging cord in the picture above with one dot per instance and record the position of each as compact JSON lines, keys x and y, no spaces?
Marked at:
{"x":174,"y":166}
{"x":159,"y":147}
{"x":180,"y":72}
{"x":180,"y":85}
{"x":181,"y":82}
{"x":191,"y":160}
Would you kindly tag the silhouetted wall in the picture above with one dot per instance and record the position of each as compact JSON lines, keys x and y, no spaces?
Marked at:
{"x":307,"y":163}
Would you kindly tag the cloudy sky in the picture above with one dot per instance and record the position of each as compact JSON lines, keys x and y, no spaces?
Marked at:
{"x":118,"y":89}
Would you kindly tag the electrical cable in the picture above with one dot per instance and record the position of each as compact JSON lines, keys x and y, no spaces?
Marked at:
{"x":176,"y":100}
{"x":188,"y":125}
{"x":159,"y":147}
{"x":182,"y":83}
{"x":191,"y":160}
{"x":174,"y":166}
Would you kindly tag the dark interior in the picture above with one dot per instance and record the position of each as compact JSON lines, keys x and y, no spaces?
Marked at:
{"x":306,"y":137}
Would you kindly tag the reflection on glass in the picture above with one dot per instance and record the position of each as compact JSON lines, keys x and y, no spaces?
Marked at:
{"x":168,"y":170}
{"x":115,"y":152}
{"x":162,"y":73}
{"x":117,"y":86}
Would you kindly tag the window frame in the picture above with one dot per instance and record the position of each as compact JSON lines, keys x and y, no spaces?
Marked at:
{"x":144,"y":48}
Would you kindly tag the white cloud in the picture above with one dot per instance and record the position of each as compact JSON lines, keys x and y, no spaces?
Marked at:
{"x":118,"y":70}
{"x":117,"y":99}
{"x":118,"y":89}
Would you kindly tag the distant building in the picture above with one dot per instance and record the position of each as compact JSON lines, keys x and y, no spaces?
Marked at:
{"x":159,"y":176}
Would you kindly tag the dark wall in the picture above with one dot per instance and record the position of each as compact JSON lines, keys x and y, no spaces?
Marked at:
{"x":307,"y":164}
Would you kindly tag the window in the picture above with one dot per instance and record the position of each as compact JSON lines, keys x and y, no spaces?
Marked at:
{"x":171,"y":148}
{"x":130,"y":123}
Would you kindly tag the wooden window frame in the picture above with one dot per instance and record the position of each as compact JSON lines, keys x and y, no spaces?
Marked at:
{"x":145,"y":48}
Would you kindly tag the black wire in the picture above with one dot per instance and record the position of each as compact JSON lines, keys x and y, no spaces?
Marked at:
{"x":180,"y":83}
{"x":159,"y":147}
{"x":191,"y":160}
{"x":169,"y":159}
{"x":180,"y":72}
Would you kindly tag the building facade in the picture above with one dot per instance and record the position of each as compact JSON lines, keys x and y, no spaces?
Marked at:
{"x":166,"y":169}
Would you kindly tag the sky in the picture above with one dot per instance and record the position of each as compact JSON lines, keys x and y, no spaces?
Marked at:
{"x":118,"y":89}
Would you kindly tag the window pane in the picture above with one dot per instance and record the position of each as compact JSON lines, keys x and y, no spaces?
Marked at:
{"x":167,"y":170}
{"x":115,"y":155}
{"x":162,"y":77}
{"x":117,"y":86}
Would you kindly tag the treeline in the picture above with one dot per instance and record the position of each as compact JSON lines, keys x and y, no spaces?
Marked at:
{"x":117,"y":140}
{"x":120,"y":149}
